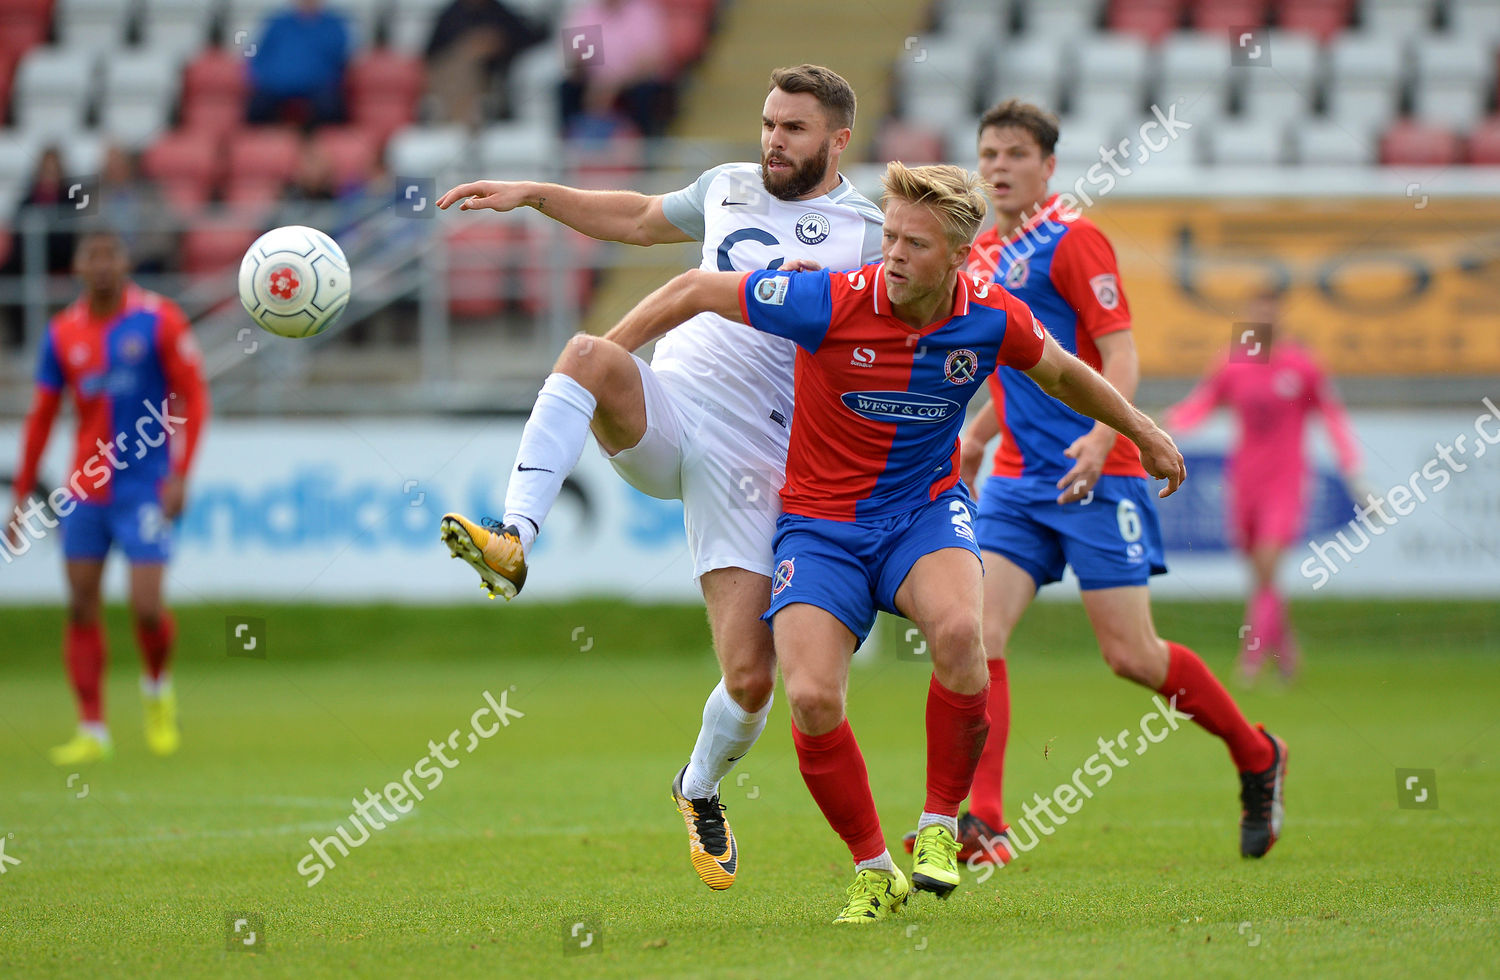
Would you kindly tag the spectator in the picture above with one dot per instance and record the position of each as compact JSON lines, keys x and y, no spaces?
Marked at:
{"x":628,"y":77}
{"x":46,"y":191}
{"x":136,"y":211}
{"x":469,"y":53}
{"x":300,"y":57}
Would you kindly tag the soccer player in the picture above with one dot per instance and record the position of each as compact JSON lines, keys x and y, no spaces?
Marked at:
{"x":874,"y":514}
{"x":1066,"y":490}
{"x":1272,"y":386}
{"x":131,"y":362}
{"x":707,"y":420}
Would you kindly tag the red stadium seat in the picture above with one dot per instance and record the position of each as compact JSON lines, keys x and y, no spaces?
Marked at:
{"x":1220,"y":15}
{"x":262,"y":153}
{"x":537,"y":265}
{"x":1420,"y":144}
{"x":351,"y":150}
{"x":213,"y":246}
{"x":8,"y":61}
{"x":385,"y":74}
{"x":687,"y":37}
{"x":186,"y":163}
{"x":1150,"y":20}
{"x":908,"y":142}
{"x":382,"y":116}
{"x":477,"y":267}
{"x":23,"y":24}
{"x":1323,"y":19}
{"x":214,"y":89}
{"x":1484,"y":143}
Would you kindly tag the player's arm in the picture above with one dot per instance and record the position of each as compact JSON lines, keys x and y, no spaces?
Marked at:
{"x":684,"y":297}
{"x":1341,"y":432}
{"x":1085,"y":390}
{"x":188,"y":399}
{"x":977,"y":436}
{"x":1200,"y":403}
{"x":38,"y":429}
{"x":609,"y":216}
{"x":1121,"y":367}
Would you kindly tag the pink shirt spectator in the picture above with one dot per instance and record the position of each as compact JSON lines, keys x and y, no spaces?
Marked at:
{"x":634,"y":40}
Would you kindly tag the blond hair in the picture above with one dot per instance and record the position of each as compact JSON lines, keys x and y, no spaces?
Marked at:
{"x":954,"y":194}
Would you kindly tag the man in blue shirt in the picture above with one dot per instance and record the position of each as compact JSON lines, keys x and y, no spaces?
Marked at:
{"x":301,"y":54}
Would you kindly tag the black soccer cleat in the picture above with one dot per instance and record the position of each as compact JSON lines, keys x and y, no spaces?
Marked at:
{"x":1261,"y":808}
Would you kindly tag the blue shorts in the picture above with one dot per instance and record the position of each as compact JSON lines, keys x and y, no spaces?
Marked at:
{"x":1111,"y":541}
{"x":853,"y":568}
{"x":132,"y":519}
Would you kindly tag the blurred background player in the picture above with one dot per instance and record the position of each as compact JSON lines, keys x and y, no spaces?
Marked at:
{"x":1067,"y":491}
{"x":707,"y":421}
{"x":1272,"y":385}
{"x":130,"y":361}
{"x":875,"y":516}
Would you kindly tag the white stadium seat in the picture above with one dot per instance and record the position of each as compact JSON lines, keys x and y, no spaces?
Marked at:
{"x":411,"y":24}
{"x":52,"y":90}
{"x":178,"y":26}
{"x":520,"y":147}
{"x":1061,"y":18}
{"x":1474,"y":19}
{"x":534,"y":78}
{"x":1329,"y":143}
{"x":938,"y":80}
{"x":1396,"y":18}
{"x":1453,"y":79}
{"x":97,"y":26}
{"x":1364,"y":79}
{"x":137,"y":92}
{"x":1030,"y":68}
{"x":1286,"y":88}
{"x":1111,"y":80}
{"x":429,"y":151}
{"x":1194,"y":67}
{"x":1247,"y":143}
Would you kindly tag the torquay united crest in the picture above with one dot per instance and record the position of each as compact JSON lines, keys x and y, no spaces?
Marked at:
{"x":960,"y":366}
{"x":812,"y":228}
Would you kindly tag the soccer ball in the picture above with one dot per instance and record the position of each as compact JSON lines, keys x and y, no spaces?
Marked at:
{"x":294,"y":281}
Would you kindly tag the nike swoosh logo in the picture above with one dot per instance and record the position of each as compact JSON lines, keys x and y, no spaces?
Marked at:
{"x":731,"y":862}
{"x":532,"y":469}
{"x":735,"y":759}
{"x":732,"y":204}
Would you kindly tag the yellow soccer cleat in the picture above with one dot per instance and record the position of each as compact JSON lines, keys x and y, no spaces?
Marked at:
{"x":80,"y":750}
{"x":711,"y":844}
{"x":935,"y":861}
{"x":874,"y":895}
{"x":162,"y":734}
{"x":491,"y":550}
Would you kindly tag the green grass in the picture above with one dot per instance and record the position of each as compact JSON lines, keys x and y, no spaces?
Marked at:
{"x":564,"y":815}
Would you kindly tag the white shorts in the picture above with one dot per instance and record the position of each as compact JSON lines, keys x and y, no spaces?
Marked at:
{"x":726,"y":471}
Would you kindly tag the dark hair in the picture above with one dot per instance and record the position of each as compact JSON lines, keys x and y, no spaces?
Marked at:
{"x":1014,"y":113}
{"x":835,"y":95}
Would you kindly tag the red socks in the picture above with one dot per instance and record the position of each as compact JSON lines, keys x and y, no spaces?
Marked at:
{"x":834,"y":770}
{"x":1200,"y":694}
{"x":956,"y":728}
{"x":83,"y":650}
{"x":156,"y":644}
{"x":986,"y":800}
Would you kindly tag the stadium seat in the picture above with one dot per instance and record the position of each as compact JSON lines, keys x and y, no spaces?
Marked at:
{"x":534,"y":78}
{"x":428,"y":151}
{"x":1194,"y":67}
{"x":687,"y":37}
{"x":214,"y":89}
{"x":213,"y":247}
{"x":179,"y":26}
{"x":1396,"y":18}
{"x":547,"y":256}
{"x":1030,"y":68}
{"x":137,"y":92}
{"x":983,"y":21}
{"x":1330,"y":143}
{"x":8,"y":61}
{"x":259,"y":162}
{"x":1111,"y":77}
{"x":1410,"y":142}
{"x":410,"y":24}
{"x":1484,"y":143}
{"x":1149,"y":20}
{"x":187,"y":164}
{"x":1081,"y":141}
{"x":1452,"y":79}
{"x":22,"y":27}
{"x":1364,"y":80}
{"x":18,"y":153}
{"x":52,"y":90}
{"x":1285,"y":89}
{"x":1061,"y":18}
{"x":1247,"y":143}
{"x":1474,"y":19}
{"x":351,"y":150}
{"x":95,"y":26}
{"x":938,"y":79}
{"x":1321,"y":19}
{"x":384,"y":73}
{"x":1218,"y":16}
{"x":479,"y":256}
{"x":517,"y":147}
{"x":910,"y":142}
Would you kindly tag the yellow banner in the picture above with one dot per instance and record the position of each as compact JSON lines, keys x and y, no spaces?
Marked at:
{"x":1372,"y":286}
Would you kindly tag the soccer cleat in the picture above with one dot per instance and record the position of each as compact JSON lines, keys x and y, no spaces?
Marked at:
{"x":80,"y":750}
{"x":973,"y":834}
{"x":491,"y":550}
{"x":1261,"y":809}
{"x":162,"y":735}
{"x":935,"y":861}
{"x":874,"y":895}
{"x":711,"y":844}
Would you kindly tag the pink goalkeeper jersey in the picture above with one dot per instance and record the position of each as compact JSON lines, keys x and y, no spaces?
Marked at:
{"x":1271,"y":401}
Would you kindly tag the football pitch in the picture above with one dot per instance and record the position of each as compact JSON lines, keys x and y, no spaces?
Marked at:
{"x":550,"y":845}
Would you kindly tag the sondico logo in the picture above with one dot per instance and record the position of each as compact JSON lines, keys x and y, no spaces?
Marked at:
{"x":864,"y":357}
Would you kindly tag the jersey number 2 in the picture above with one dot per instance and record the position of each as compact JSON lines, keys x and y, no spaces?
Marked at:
{"x":963,"y":521}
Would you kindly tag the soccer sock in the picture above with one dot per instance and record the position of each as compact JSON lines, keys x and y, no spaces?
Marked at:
{"x":834,"y":770}
{"x":928,"y":819}
{"x":881,"y":862}
{"x":551,"y":444}
{"x":1261,"y":617}
{"x":727,"y":734}
{"x":156,"y":644}
{"x":84,"y":652}
{"x":956,"y":728}
{"x":1200,"y":694}
{"x":986,"y":799}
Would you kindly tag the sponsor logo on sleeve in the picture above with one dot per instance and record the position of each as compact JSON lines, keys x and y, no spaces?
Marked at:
{"x":772,"y":291}
{"x":1106,"y":290}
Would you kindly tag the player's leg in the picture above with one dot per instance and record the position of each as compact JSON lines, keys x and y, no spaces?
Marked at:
{"x":1264,"y":630}
{"x":733,"y":716}
{"x":84,"y":654}
{"x":943,"y":595}
{"x":596,"y":384}
{"x":155,"y":632}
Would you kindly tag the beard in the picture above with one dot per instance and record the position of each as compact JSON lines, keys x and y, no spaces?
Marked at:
{"x":798,"y":181}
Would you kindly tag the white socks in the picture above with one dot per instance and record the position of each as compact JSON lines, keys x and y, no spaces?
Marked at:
{"x":727,"y":734}
{"x":551,"y":445}
{"x":928,"y":819}
{"x":157,"y":687}
{"x":882,"y":863}
{"x":98,"y":729}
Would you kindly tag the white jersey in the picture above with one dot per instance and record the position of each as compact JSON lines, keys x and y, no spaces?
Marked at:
{"x":743,"y":228}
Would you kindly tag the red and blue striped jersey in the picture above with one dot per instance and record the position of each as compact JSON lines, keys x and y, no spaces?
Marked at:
{"x":879,"y":405}
{"x":1061,"y":266}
